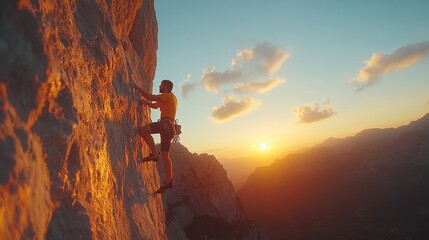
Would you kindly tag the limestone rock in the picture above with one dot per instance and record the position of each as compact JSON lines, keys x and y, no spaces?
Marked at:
{"x":68,"y":115}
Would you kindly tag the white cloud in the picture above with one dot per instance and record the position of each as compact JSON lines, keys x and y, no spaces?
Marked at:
{"x":249,"y":66}
{"x":381,"y":64}
{"x":311,"y":113}
{"x":187,"y":86}
{"x":233,"y":107}
{"x":265,"y":58}
{"x":212,"y":79}
{"x":259,"y":87}
{"x":251,"y":71}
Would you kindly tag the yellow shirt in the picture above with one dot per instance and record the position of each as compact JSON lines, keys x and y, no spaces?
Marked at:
{"x":168,"y":105}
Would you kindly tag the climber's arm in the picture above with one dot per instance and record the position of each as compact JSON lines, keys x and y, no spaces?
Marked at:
{"x":147,"y":95}
{"x":153,"y":105}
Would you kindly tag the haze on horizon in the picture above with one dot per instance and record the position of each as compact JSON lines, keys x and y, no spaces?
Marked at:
{"x":257,"y":80}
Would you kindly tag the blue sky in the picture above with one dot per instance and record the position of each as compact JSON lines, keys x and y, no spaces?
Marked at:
{"x":299,"y":63}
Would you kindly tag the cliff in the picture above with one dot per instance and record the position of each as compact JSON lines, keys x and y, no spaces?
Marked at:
{"x":370,"y":186}
{"x":68,"y":115}
{"x":202,"y":203}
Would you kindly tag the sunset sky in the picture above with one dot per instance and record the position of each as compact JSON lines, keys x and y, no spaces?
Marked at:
{"x":258,"y":79}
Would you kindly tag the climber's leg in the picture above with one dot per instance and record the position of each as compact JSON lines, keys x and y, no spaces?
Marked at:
{"x":146,"y":132}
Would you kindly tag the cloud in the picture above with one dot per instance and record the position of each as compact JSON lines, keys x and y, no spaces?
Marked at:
{"x":248,"y":66}
{"x":381,"y":64}
{"x":258,"y":87}
{"x":311,"y":113}
{"x":233,"y":107}
{"x":187,"y":86}
{"x":212,"y":79}
{"x":264,"y":58}
{"x":251,"y":71}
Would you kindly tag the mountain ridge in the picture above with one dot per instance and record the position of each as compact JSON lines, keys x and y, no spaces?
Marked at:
{"x":348,"y":189}
{"x":421,"y":123}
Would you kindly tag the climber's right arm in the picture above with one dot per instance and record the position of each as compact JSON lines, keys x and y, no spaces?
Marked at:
{"x":147,"y":95}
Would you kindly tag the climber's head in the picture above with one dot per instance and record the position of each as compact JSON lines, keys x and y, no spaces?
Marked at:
{"x":166,"y":86}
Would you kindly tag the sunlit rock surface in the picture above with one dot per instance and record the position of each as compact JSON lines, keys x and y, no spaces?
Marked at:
{"x":68,"y":114}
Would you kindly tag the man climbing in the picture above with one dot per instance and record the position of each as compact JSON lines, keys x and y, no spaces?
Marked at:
{"x":167,"y":102}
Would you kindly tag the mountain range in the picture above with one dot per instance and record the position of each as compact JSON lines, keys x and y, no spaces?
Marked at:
{"x":374,"y":185}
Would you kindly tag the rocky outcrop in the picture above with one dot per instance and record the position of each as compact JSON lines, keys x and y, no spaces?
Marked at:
{"x":370,"y":186}
{"x":68,"y":116}
{"x":202,"y":202}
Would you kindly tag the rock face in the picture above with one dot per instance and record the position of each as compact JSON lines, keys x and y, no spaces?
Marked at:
{"x":202,"y":203}
{"x":370,"y":186}
{"x":68,"y":116}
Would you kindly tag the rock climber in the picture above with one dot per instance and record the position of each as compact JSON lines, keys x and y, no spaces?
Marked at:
{"x":167,"y":102}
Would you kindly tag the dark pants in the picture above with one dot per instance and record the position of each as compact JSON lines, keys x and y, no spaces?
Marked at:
{"x":166,"y":131}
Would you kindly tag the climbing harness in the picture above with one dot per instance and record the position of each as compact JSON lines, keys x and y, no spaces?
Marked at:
{"x":177,"y":129}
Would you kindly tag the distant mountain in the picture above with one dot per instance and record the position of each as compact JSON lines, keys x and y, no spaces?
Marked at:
{"x":239,"y":169}
{"x":374,"y":185}
{"x":202,"y":203}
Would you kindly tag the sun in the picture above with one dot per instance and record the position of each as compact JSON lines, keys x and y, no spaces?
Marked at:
{"x":263,"y":146}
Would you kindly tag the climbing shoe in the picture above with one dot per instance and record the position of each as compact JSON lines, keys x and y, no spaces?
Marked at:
{"x":164,"y":187}
{"x":150,"y":158}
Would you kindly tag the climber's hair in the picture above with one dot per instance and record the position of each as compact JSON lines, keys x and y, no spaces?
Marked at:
{"x":168,"y":84}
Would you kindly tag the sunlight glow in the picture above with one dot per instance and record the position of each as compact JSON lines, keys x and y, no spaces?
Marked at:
{"x":263,"y":146}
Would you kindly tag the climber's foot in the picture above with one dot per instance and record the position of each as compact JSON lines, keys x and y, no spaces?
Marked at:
{"x":150,"y":158}
{"x":164,"y":187}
